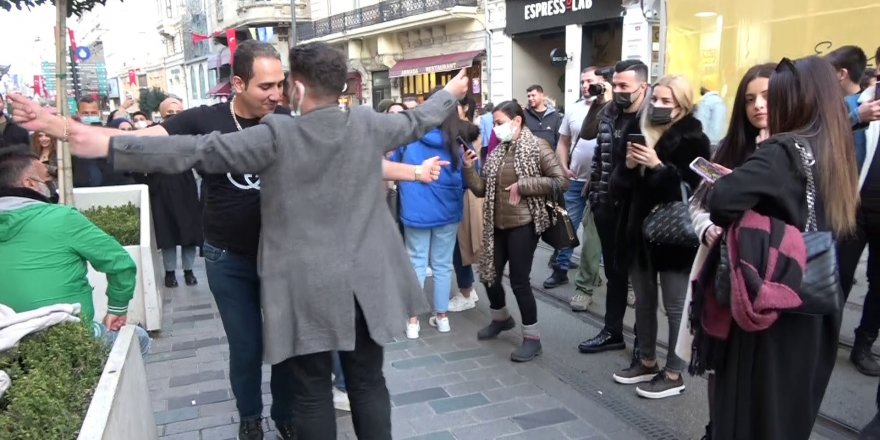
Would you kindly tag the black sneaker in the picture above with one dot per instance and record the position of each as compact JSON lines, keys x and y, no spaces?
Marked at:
{"x":604,"y":341}
{"x":190,"y":278}
{"x":637,"y":373}
{"x":661,"y":386}
{"x":250,"y":430}
{"x":285,"y":430}
{"x":170,"y":279}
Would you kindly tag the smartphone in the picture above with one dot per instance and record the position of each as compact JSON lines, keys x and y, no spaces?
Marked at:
{"x":707,"y":170}
{"x":636,"y":139}
{"x":463,"y":143}
{"x":877,"y":89}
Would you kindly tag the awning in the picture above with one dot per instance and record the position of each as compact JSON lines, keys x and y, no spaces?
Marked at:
{"x":439,"y":63}
{"x":223,"y":88}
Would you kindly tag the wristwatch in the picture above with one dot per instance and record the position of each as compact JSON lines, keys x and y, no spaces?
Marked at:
{"x":418,"y":175}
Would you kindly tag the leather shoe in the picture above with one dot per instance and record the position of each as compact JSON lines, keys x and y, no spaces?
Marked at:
{"x":604,"y":341}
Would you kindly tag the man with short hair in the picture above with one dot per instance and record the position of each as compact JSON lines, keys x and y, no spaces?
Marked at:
{"x":170,"y":107}
{"x":576,"y":161}
{"x":10,"y":132}
{"x":87,"y":172}
{"x":45,"y":247}
{"x":141,"y":120}
{"x":543,"y":120}
{"x":712,"y":112}
{"x":630,"y":89}
{"x":487,"y":123}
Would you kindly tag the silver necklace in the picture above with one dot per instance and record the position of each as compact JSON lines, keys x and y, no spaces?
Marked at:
{"x":232,"y":112}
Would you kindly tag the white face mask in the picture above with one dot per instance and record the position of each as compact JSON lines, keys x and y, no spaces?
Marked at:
{"x":301,"y":91}
{"x":504,"y":132}
{"x":140,"y":125}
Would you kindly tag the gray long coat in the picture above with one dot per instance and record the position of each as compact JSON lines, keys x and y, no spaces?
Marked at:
{"x":327,"y":234}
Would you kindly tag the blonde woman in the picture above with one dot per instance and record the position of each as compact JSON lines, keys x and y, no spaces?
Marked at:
{"x":653,"y":176}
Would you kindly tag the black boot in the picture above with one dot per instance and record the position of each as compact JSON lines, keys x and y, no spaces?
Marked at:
{"x":495,"y":328}
{"x":861,"y":355}
{"x":170,"y":279}
{"x":190,"y":278}
{"x":558,"y":278}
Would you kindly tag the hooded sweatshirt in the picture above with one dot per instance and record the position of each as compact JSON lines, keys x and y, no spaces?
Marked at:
{"x":43,"y":253}
{"x":431,"y":205}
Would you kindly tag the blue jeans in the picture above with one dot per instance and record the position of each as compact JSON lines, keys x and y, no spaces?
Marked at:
{"x":464,"y":275}
{"x":575,"y":204}
{"x":235,"y":284}
{"x":142,"y":335}
{"x":338,"y":373}
{"x":436,"y":243}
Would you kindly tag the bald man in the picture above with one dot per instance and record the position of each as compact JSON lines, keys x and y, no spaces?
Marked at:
{"x":170,"y":107}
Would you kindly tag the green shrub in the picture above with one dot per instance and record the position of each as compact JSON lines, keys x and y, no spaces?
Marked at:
{"x":54,"y":374}
{"x":121,"y":222}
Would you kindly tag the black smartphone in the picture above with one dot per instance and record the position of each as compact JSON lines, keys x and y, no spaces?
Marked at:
{"x":636,"y":139}
{"x":463,"y":143}
{"x":877,"y":89}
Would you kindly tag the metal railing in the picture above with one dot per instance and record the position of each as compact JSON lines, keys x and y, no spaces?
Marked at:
{"x":374,"y":14}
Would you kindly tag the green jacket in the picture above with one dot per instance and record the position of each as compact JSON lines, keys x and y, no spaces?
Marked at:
{"x":43,"y":253}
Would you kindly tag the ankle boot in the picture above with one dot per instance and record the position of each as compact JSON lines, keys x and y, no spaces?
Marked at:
{"x":558,"y":278}
{"x":531,"y":345}
{"x":861,"y":355}
{"x":501,"y":321}
{"x":170,"y":279}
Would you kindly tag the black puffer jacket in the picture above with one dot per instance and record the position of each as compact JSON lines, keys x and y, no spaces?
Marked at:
{"x":610,"y":152}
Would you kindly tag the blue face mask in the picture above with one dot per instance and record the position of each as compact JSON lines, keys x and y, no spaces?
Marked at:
{"x":90,"y":120}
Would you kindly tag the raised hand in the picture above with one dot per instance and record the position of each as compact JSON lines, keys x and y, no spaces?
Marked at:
{"x":459,"y":85}
{"x":30,"y":115}
{"x":469,"y":158}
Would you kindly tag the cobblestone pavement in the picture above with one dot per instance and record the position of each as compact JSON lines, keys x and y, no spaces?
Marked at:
{"x":443,"y":386}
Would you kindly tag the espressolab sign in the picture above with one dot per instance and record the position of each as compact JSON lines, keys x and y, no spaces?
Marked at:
{"x":531,"y":15}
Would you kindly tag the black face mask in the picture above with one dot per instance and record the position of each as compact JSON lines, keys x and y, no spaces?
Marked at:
{"x":660,"y":115}
{"x":596,"y":90}
{"x":623,"y":100}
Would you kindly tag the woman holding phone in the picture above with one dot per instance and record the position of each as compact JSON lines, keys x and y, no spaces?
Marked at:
{"x":653,"y":175}
{"x":430,"y":213}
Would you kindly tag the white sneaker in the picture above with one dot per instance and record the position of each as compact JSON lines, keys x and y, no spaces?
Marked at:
{"x":429,"y":272}
{"x":442,"y":324}
{"x":412,"y":330}
{"x":460,"y":303}
{"x":340,"y":400}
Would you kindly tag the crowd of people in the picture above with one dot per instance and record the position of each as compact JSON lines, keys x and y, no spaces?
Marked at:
{"x":732,"y":253}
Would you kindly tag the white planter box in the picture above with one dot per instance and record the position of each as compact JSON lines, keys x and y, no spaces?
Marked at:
{"x":146,"y":306}
{"x":121,"y":407}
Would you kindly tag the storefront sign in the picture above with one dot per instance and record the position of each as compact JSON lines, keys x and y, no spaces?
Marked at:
{"x":531,"y":15}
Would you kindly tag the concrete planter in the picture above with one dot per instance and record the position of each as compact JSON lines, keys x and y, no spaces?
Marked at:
{"x":121,"y":407}
{"x":146,"y":306}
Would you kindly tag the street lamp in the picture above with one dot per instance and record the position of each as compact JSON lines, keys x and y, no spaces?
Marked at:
{"x":293,"y":5}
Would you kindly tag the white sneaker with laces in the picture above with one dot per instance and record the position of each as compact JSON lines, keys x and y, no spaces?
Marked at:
{"x":340,"y":400}
{"x":460,"y":303}
{"x":442,"y":324}
{"x":412,"y":330}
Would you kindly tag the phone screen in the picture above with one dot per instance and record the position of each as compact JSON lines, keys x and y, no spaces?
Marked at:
{"x":464,"y":143}
{"x":707,"y":170}
{"x":636,"y":139}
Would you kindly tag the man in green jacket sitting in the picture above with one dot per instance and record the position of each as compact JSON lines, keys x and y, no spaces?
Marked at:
{"x":44,"y":249}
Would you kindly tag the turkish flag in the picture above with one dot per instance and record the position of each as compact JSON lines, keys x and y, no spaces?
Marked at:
{"x":199,"y":38}
{"x":232,"y":43}
{"x":38,"y":86}
{"x":132,"y":77}
{"x":72,"y":39}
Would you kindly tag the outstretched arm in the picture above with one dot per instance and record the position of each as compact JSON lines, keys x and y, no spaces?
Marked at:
{"x":430,"y":170}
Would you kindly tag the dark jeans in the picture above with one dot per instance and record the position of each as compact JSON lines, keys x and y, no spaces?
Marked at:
{"x":308,"y":379}
{"x":616,"y":290}
{"x":464,"y":275}
{"x":516,"y":246}
{"x":849,"y":252}
{"x":235,"y":284}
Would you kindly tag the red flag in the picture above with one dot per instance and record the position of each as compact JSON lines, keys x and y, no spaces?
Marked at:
{"x":72,"y":39}
{"x":132,"y":77}
{"x":38,"y":86}
{"x":199,"y":38}
{"x":232,"y":43}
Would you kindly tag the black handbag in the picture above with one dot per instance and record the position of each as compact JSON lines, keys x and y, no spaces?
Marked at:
{"x":821,"y":292}
{"x":561,"y":233}
{"x":670,"y":224}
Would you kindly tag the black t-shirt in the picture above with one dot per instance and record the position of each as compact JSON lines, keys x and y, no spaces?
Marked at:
{"x":870,"y":193}
{"x":231,"y":216}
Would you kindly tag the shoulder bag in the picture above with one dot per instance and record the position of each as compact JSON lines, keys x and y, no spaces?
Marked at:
{"x":561,"y":233}
{"x":670,"y":223}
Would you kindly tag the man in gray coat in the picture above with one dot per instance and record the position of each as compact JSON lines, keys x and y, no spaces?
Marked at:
{"x":310,"y":167}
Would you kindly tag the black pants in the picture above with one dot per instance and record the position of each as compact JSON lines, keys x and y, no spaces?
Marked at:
{"x":849,"y":252}
{"x":516,"y":246}
{"x":605,"y":217}
{"x":309,"y":380}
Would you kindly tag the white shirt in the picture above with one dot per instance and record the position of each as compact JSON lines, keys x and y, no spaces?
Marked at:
{"x":581,"y":154}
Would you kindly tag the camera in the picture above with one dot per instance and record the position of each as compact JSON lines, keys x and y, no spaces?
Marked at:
{"x":596,"y":89}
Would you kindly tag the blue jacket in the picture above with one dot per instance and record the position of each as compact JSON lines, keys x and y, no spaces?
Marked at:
{"x":852,"y":104}
{"x":425,"y":206}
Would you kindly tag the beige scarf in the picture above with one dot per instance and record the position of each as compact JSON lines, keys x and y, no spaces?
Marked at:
{"x":527,"y":163}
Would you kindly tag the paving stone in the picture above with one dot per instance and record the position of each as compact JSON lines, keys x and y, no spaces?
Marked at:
{"x":418,"y":396}
{"x":215,"y":385}
{"x":402,"y":345}
{"x":440,"y":381}
{"x":442,"y":435}
{"x":418,"y":362}
{"x":466,"y":354}
{"x":497,"y":411}
{"x":578,"y":429}
{"x":544,"y":418}
{"x":199,"y":399}
{"x":508,"y":393}
{"x":488,"y":430}
{"x":443,"y":406}
{"x":192,"y":318}
{"x":176,"y":415}
{"x":197,"y":424}
{"x":170,"y":356}
{"x":198,"y":343}
{"x":193,"y":307}
{"x":545,"y":433}
{"x":399,"y":355}
{"x":457,"y":366}
{"x":219,"y":408}
{"x":472,"y":386}
{"x":406,"y":412}
{"x":220,"y":432}
{"x":202,"y":376}
{"x":540,"y":402}
{"x":192,"y":435}
{"x":439,"y":422}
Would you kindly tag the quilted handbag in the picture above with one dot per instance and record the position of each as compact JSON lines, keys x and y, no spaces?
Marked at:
{"x":670,"y":224}
{"x":561,"y":233}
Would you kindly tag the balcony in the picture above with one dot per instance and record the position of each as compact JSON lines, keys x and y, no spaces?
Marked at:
{"x":370,"y":15}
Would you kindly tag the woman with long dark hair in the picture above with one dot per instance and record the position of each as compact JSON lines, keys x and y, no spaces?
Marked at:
{"x":769,"y":383}
{"x":516,"y":180}
{"x":748,"y":126}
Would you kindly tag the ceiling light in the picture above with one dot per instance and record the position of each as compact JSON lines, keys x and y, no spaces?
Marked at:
{"x":705,"y":14}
